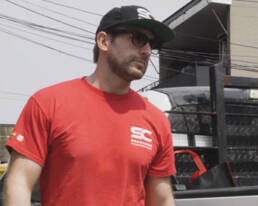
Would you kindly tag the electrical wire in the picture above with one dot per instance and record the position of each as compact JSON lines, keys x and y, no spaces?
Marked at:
{"x":31,"y":24}
{"x":40,"y":28}
{"x":12,"y":99}
{"x":244,"y":7}
{"x":243,"y":45}
{"x":243,"y":68}
{"x":45,"y":37}
{"x":44,"y":45}
{"x":60,"y":13}
{"x":167,"y":51}
{"x":153,"y":65}
{"x":73,"y":8}
{"x":191,"y":58}
{"x":54,"y":19}
{"x":151,"y":77}
{"x":247,"y":1}
{"x":14,"y":93}
{"x":177,"y":71}
{"x":146,"y":77}
{"x":194,"y":52}
{"x":253,"y":63}
{"x":197,"y":37}
{"x":45,"y":29}
{"x":154,"y":84}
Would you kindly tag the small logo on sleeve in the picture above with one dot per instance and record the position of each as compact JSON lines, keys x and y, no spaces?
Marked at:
{"x":141,"y":137}
{"x":20,"y":138}
{"x":13,"y":134}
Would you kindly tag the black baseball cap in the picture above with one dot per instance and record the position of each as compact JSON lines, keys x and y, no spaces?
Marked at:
{"x":136,"y":16}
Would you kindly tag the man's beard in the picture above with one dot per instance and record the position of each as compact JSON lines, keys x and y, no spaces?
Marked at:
{"x":122,"y":68}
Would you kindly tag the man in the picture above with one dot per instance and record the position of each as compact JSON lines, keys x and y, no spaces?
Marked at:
{"x":93,"y":141}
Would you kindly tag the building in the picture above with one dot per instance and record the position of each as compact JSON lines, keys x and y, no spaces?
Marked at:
{"x":209,"y":32}
{"x":244,"y":38}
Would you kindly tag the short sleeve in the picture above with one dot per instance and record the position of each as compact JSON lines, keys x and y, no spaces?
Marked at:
{"x":163,"y":163}
{"x":30,"y":134}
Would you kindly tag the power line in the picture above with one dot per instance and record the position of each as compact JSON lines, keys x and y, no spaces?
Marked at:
{"x":246,"y":66}
{"x":177,"y":71}
{"x":150,"y":77}
{"x":200,"y":57}
{"x":243,"y":68}
{"x":45,"y":37}
{"x":153,"y":65}
{"x":247,"y":1}
{"x":243,"y":45}
{"x":59,"y":13}
{"x":147,"y":77}
{"x":205,"y":54}
{"x":14,"y":93}
{"x":74,"y":8}
{"x":253,"y":63}
{"x":54,"y":19}
{"x":190,"y":59}
{"x":46,"y":29}
{"x":12,"y":99}
{"x":198,"y":37}
{"x":244,"y":7}
{"x":44,"y":45}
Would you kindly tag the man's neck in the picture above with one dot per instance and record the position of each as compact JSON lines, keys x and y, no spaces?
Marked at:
{"x":108,"y":83}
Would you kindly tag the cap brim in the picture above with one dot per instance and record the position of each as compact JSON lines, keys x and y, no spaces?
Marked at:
{"x":161,"y":32}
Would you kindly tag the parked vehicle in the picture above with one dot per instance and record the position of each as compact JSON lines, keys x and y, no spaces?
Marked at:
{"x":196,"y":126}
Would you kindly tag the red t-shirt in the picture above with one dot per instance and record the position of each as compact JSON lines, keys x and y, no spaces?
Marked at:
{"x":96,"y":148}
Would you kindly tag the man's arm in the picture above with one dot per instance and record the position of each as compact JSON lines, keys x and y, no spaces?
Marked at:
{"x":159,"y":192}
{"x":22,"y":175}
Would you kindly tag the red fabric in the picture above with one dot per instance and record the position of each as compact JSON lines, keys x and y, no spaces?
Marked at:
{"x":95,"y":148}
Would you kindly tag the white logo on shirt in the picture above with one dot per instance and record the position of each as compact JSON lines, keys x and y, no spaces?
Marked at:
{"x":144,"y":14}
{"x":138,"y":137}
{"x":20,"y":138}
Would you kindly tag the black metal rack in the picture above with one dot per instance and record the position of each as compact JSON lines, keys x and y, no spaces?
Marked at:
{"x":241,"y":151}
{"x":222,"y":111}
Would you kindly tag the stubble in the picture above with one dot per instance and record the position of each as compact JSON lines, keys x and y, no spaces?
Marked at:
{"x":128,"y":69}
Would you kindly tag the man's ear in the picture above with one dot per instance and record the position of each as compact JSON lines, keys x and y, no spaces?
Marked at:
{"x":103,"y":41}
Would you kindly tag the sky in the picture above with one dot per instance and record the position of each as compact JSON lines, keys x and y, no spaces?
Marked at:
{"x":44,"y":42}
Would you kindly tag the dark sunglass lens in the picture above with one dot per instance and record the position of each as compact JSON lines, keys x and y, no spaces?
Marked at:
{"x":140,"y":39}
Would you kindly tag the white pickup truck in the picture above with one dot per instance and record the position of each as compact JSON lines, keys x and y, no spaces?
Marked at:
{"x":190,"y":114}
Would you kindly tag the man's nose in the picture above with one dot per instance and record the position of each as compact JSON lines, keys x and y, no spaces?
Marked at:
{"x":146,"y":49}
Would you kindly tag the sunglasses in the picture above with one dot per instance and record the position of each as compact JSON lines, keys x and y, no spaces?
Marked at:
{"x":139,"y":39}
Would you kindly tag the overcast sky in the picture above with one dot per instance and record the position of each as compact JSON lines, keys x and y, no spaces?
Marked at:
{"x":44,"y":42}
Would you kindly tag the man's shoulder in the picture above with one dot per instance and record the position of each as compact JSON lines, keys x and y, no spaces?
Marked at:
{"x":58,"y":89}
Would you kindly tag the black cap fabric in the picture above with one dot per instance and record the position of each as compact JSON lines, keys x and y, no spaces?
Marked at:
{"x":137,"y":16}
